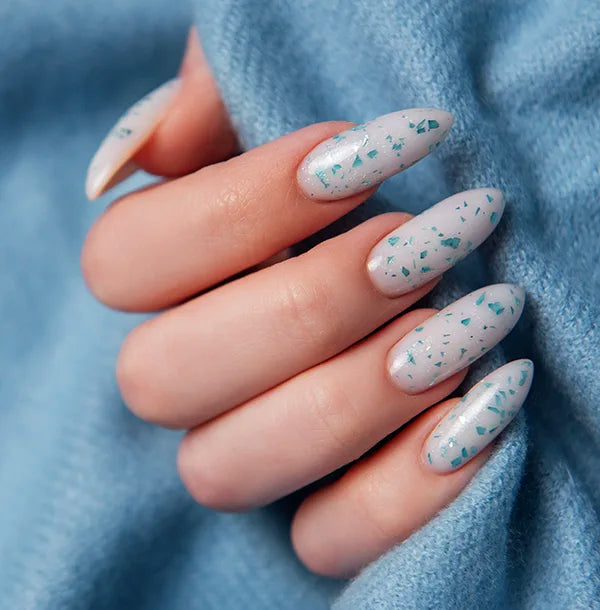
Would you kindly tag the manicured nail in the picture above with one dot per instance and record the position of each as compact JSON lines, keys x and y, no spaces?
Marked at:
{"x":434,"y":241}
{"x":454,"y":337}
{"x":365,"y":155}
{"x":479,"y":417}
{"x":111,"y":163}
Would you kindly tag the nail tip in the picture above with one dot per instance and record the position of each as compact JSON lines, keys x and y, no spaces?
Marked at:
{"x":91,"y":192}
{"x":111,"y":163}
{"x":481,"y":415}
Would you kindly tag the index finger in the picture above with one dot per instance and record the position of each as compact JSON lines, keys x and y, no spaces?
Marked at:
{"x":157,"y":247}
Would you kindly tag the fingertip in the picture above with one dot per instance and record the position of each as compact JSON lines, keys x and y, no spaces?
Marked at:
{"x":177,"y":128}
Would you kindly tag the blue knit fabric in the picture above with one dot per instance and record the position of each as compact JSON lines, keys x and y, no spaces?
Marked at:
{"x":92,"y":514}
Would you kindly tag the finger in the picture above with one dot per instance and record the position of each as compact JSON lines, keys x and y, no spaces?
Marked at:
{"x":196,"y":131}
{"x":271,"y":325}
{"x":303,"y":429}
{"x":196,"y":231}
{"x":176,"y":129}
{"x":217,"y":351}
{"x":384,"y":498}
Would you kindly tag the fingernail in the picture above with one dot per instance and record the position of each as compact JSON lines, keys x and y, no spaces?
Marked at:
{"x":455,"y":337}
{"x":434,"y":241}
{"x":479,"y":417}
{"x":111,"y":163}
{"x":363,"y":156}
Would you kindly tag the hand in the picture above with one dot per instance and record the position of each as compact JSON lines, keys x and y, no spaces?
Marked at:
{"x":292,"y":371}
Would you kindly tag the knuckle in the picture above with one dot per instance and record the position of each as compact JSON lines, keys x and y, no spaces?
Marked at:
{"x":336,"y":419}
{"x":232,"y":205}
{"x":377,"y":503}
{"x":307,"y":313}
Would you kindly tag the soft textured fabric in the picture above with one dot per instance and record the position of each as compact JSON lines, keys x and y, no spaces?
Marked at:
{"x":92,"y":514}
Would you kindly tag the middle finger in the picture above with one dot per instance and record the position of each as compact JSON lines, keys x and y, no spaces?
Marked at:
{"x":213,"y":353}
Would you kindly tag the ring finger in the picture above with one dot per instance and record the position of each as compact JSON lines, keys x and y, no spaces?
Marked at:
{"x":333,"y":413}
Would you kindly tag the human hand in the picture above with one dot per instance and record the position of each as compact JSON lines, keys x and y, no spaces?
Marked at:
{"x":290,"y":372}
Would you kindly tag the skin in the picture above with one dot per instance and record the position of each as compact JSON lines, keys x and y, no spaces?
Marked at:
{"x":287,"y":363}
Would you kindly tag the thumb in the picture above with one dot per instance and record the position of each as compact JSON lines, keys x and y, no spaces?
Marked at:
{"x":174,"y":130}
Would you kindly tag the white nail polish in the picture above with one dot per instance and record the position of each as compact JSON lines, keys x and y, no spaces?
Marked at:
{"x":479,"y":417}
{"x":363,"y":156}
{"x":111,"y":163}
{"x":434,"y":241}
{"x":454,"y":337}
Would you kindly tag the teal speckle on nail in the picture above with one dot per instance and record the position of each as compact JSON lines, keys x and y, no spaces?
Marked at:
{"x":493,"y":217}
{"x":451,"y":242}
{"x":357,"y":162}
{"x":496,"y":307}
{"x":480,"y":430}
{"x":123,"y":132}
{"x":465,"y":322}
{"x":405,"y":271}
{"x":372,"y":153}
{"x":423,"y":254}
{"x":336,"y":168}
{"x":432,"y":124}
{"x":320,"y":174}
{"x":393,"y":240}
{"x":481,"y":298}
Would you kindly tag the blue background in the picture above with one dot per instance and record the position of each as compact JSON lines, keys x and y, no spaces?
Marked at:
{"x":92,"y":514}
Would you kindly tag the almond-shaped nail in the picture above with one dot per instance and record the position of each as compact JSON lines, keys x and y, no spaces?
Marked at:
{"x":479,"y":417}
{"x":111,"y":164}
{"x":363,"y":156}
{"x":432,"y":242}
{"x":454,"y":337}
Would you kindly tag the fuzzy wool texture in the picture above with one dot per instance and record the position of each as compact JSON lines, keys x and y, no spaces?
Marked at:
{"x":92,"y":514}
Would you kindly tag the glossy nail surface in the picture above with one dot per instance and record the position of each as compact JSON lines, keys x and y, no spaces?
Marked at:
{"x":434,"y":241}
{"x":365,"y":155}
{"x":479,"y":417}
{"x":111,"y":163}
{"x":454,"y":337}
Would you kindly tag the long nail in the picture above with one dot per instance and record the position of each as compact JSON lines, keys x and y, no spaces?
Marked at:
{"x":434,"y":241}
{"x":454,"y":337}
{"x":363,"y":156}
{"x":111,"y":163}
{"x":479,"y":417}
